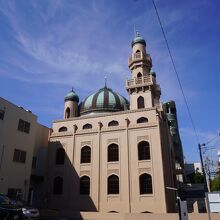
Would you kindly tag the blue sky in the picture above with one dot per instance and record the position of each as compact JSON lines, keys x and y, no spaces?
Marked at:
{"x":48,"y":46}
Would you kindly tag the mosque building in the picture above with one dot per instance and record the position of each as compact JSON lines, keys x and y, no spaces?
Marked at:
{"x":109,"y":154}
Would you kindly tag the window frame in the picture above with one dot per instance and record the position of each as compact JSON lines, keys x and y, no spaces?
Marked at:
{"x":113,"y":153}
{"x":142,"y":120}
{"x":144,"y":150}
{"x":140,"y":102}
{"x":145,"y":184}
{"x":60,"y":156}
{"x":113,"y":187}
{"x":2,"y":114}
{"x":113,"y":123}
{"x":87,"y":126}
{"x":84,"y":185}
{"x":85,"y":154}
{"x":24,"y":126}
{"x":19,"y":156}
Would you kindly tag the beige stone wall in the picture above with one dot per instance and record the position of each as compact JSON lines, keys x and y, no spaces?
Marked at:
{"x":128,"y":168}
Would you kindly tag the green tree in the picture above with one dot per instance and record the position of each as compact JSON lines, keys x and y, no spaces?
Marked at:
{"x":215,"y":184}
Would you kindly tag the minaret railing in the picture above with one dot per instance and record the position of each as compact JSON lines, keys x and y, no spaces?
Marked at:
{"x":145,"y":80}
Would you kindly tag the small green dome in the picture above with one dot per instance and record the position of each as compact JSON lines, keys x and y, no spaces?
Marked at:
{"x":138,"y":39}
{"x":72,"y":96}
{"x":104,"y":100}
{"x":153,"y":73}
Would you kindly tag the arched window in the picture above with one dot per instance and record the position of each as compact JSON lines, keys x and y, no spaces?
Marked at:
{"x":140,"y":102}
{"x":113,"y":123}
{"x":113,"y":184}
{"x":145,"y":183}
{"x":142,"y":120}
{"x":112,"y":152}
{"x":87,"y":126}
{"x":60,"y":156}
{"x":67,"y":113}
{"x":138,"y":51}
{"x":62,"y":129}
{"x":85,"y":155}
{"x":139,"y":75}
{"x":58,"y":185}
{"x":84,"y":185}
{"x":143,"y":151}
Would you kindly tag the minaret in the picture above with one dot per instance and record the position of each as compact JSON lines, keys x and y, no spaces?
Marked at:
{"x":142,"y":87}
{"x":71,"y":105}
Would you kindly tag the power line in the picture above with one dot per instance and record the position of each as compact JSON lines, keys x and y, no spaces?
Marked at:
{"x":175,"y":70}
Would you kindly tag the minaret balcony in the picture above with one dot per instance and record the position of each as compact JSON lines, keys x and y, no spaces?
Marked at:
{"x":139,"y":57}
{"x":140,"y":81}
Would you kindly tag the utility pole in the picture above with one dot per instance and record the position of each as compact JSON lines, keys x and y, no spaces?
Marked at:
{"x":203,"y":168}
{"x":207,"y":186}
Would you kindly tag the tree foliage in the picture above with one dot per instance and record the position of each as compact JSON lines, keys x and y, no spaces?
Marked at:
{"x":195,"y":177}
{"x":215,"y":183}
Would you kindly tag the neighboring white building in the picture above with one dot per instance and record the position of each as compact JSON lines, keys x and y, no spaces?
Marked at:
{"x":190,"y":168}
{"x":20,"y":134}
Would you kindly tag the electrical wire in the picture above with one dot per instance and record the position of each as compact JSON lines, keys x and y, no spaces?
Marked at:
{"x":175,"y":70}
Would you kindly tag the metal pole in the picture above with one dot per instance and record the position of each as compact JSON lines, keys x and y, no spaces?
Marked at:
{"x":203,"y":169}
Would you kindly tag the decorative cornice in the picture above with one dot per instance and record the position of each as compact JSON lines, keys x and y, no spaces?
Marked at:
{"x":107,"y":114}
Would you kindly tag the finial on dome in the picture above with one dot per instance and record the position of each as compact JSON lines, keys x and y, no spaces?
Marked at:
{"x":105,"y":81}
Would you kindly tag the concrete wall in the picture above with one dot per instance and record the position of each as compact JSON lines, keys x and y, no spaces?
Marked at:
{"x":14,"y":174}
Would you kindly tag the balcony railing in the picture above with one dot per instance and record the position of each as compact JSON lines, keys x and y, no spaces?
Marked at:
{"x":139,"y":56}
{"x":145,"y":80}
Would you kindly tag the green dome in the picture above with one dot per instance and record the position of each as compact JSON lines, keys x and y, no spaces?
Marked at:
{"x":72,"y":96}
{"x":104,"y":100}
{"x":138,"y":39}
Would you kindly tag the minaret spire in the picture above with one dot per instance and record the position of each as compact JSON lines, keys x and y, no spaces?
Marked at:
{"x":105,"y":81}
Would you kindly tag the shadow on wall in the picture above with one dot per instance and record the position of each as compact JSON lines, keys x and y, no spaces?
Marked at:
{"x":66,"y":191}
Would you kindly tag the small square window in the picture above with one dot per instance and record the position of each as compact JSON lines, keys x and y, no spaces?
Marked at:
{"x":2,"y":114}
{"x":24,"y":126}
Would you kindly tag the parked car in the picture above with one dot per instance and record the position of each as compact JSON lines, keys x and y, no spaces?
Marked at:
{"x":29,"y":212}
{"x":8,"y":211}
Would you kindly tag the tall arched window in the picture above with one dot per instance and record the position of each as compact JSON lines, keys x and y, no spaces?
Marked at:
{"x":87,"y":126}
{"x":58,"y":185}
{"x":142,"y":120}
{"x":140,"y":102}
{"x":60,"y":156}
{"x":113,"y":152}
{"x":113,"y":184}
{"x":67,"y":113}
{"x":84,"y":185}
{"x":62,"y":129}
{"x":85,"y":155}
{"x":112,"y":123}
{"x":143,"y":151}
{"x":139,"y":75}
{"x":145,"y":183}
